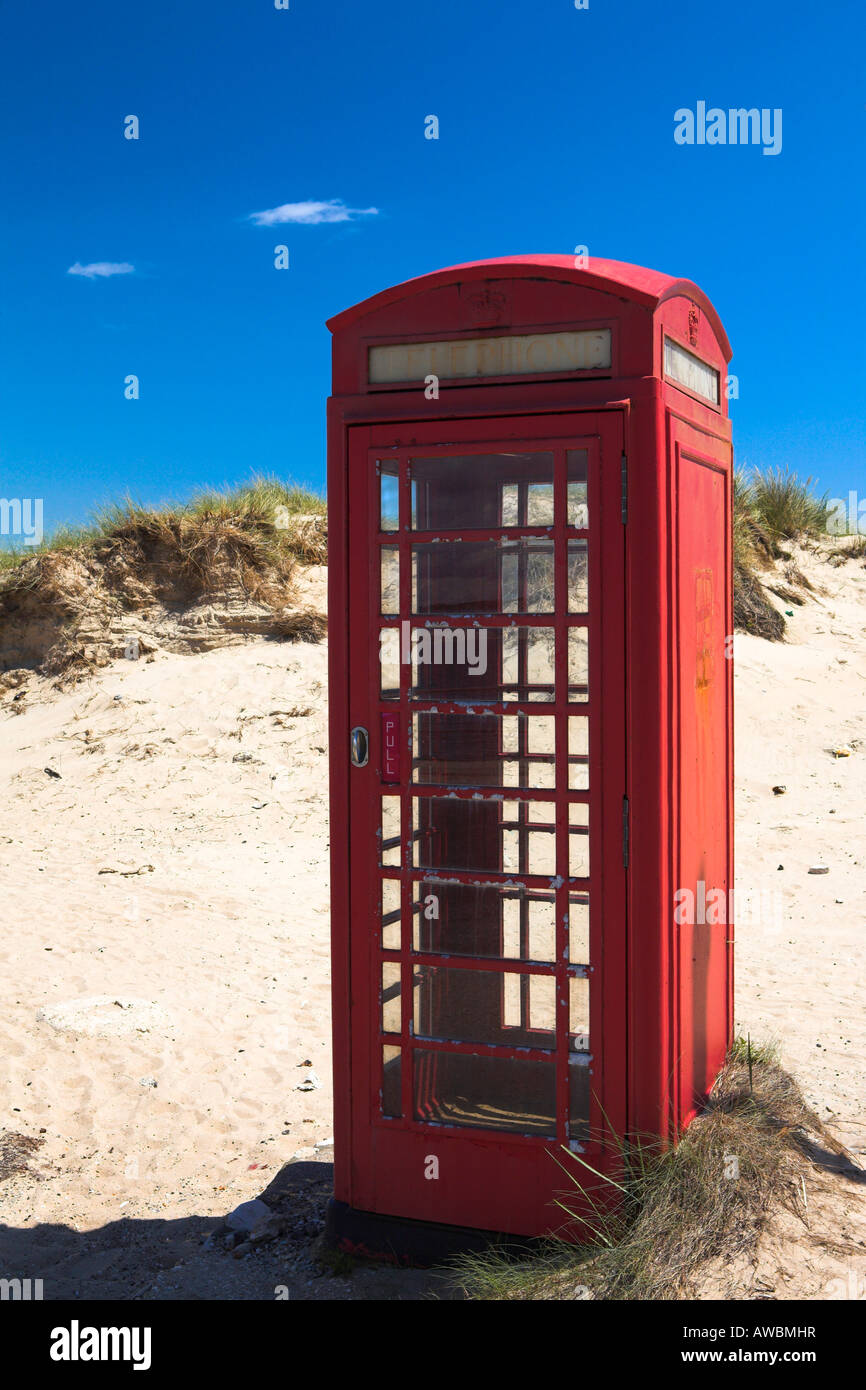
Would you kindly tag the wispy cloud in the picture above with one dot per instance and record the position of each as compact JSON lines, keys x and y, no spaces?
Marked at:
{"x":101,"y":270}
{"x":311,"y":214}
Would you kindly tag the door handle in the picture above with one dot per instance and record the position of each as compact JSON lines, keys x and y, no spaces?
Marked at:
{"x":359,"y":743}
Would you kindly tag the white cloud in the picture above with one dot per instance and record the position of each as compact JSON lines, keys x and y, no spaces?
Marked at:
{"x":311,"y":214}
{"x":101,"y":269}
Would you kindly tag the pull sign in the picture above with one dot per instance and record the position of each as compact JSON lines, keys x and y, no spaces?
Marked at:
{"x":390,"y":748}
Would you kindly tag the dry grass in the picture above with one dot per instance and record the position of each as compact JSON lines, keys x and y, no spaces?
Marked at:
{"x":753,"y":552}
{"x":771,"y":507}
{"x":679,"y":1209}
{"x":853,"y":548}
{"x":263,"y":523}
{"x":787,"y":506}
{"x":242,"y":545}
{"x":16,"y":1150}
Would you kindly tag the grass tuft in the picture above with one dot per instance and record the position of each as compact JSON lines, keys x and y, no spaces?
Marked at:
{"x":786,"y":506}
{"x":279,"y":520}
{"x":678,"y":1209}
{"x":241,"y":544}
{"x":770,"y":507}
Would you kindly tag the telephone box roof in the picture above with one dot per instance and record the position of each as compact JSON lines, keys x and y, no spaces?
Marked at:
{"x":635,"y":282}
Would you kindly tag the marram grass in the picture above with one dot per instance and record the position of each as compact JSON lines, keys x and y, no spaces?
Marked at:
{"x":650,"y":1232}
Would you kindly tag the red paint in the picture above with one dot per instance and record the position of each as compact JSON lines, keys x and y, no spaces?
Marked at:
{"x":660,"y":733}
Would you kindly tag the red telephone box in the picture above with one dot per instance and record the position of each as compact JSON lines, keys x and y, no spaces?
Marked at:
{"x":531,"y":736}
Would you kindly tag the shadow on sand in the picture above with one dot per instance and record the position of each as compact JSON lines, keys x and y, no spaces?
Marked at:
{"x":170,"y":1260}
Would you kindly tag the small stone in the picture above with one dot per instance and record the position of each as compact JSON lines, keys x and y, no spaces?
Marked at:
{"x":779,"y":791}
{"x":248,"y":1215}
{"x":150,"y":1081}
{"x":269,"y":1230}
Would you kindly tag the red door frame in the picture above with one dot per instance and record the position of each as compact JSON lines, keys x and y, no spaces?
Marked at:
{"x":487,"y":1179}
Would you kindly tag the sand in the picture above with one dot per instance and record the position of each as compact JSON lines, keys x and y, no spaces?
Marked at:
{"x":164,"y":973}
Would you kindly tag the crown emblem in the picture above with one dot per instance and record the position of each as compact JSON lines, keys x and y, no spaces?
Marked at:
{"x":487,"y":305}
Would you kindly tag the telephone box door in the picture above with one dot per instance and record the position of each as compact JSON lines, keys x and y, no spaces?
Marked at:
{"x":487,"y":717}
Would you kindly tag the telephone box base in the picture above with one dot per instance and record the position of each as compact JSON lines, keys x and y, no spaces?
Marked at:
{"x":397,"y":1240}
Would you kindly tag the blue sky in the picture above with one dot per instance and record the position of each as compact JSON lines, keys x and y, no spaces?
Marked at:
{"x":556,"y":129}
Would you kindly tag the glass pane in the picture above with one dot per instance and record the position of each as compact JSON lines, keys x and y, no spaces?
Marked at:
{"x":578,"y":841}
{"x":479,"y":490}
{"x":484,"y":750}
{"x":392,"y":1091}
{"x":497,"y":836}
{"x":456,"y":659}
{"x":501,"y":1093}
{"x":528,"y":663}
{"x":481,"y":665}
{"x":389,"y":583}
{"x":484,"y":1006}
{"x":391,"y":1015}
{"x":485,"y":920}
{"x":465,"y":577}
{"x":538,"y":505}
{"x":576,"y":468}
{"x":578,"y":663}
{"x":389,"y":497}
{"x":527,"y":849}
{"x":391,"y":914}
{"x":578,"y":1014}
{"x":578,"y":929}
{"x":389,"y":663}
{"x":578,"y":1097}
{"x":578,"y":752}
{"x":389,"y":846}
{"x":578,"y":590}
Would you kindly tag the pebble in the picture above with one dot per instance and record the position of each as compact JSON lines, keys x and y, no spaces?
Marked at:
{"x":248,"y":1215}
{"x":310,"y":1083}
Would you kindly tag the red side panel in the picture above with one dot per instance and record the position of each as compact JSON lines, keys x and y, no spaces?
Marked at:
{"x":702,"y":926}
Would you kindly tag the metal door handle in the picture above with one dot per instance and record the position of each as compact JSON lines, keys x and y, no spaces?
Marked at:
{"x":359,"y":742}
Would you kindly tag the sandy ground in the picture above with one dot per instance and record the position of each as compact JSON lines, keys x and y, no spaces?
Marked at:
{"x":164,"y":999}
